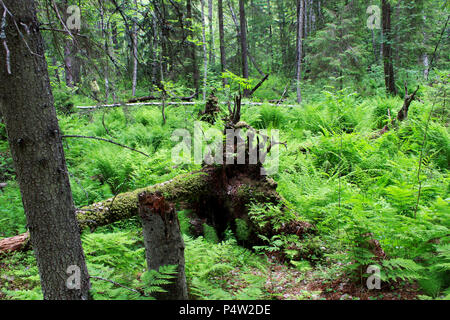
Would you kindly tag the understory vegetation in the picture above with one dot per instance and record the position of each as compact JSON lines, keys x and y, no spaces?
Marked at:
{"x":355,"y":189}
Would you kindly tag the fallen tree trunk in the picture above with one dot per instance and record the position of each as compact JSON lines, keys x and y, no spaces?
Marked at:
{"x":151,"y":98}
{"x":137,"y":104}
{"x":123,"y":206}
{"x":217,"y":195}
{"x":16,"y":243}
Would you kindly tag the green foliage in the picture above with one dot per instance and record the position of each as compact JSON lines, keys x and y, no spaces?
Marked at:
{"x":210,"y":233}
{"x":242,"y":230}
{"x":211,"y":270}
{"x":63,"y":96}
{"x":266,"y":116}
{"x":12,"y":217}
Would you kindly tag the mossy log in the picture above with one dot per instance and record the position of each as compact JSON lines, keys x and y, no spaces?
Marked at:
{"x":217,"y":195}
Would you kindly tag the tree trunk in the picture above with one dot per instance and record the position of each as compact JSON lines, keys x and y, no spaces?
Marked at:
{"x":238,"y":34}
{"x":72,"y":64}
{"x":26,"y":102}
{"x":387,"y":48}
{"x":212,"y":57}
{"x":269,"y":11}
{"x":223,"y":57}
{"x":299,"y":48}
{"x":205,"y":55}
{"x":135,"y":52}
{"x":163,"y":241}
{"x":244,"y":47}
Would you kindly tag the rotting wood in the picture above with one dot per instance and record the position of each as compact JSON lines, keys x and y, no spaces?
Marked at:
{"x":163,"y":241}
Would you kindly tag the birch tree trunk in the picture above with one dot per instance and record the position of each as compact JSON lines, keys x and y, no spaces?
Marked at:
{"x":26,"y":102}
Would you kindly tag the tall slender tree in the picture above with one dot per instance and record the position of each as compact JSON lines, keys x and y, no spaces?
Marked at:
{"x":223,"y":57}
{"x":205,"y":56}
{"x":34,"y":137}
{"x":135,"y":49}
{"x":300,"y":21}
{"x":212,"y":56}
{"x":387,"y":48}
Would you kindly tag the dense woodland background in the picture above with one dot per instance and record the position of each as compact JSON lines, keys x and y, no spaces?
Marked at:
{"x":363,"y":119}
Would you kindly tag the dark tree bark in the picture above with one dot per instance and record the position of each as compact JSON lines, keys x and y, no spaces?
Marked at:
{"x":223,"y":57}
{"x":244,"y":47}
{"x":238,"y":34}
{"x":212,"y":56}
{"x":387,"y":48}
{"x":205,"y":57}
{"x":26,"y":102}
{"x":163,"y":241}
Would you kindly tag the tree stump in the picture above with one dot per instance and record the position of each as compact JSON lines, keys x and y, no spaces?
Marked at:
{"x":163,"y":241}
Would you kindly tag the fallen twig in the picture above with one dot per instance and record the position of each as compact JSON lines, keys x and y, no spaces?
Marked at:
{"x":106,"y":140}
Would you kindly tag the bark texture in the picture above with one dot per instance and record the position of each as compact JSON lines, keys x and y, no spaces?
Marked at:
{"x":223,"y":57}
{"x":26,"y":103}
{"x":163,"y":241}
{"x":387,"y":48}
{"x":205,"y":55}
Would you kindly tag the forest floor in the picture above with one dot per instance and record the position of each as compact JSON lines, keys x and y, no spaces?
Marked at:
{"x":344,"y":183}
